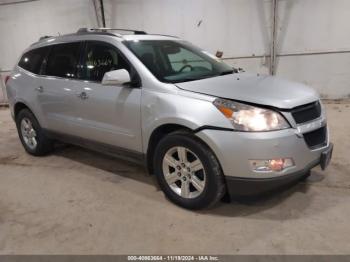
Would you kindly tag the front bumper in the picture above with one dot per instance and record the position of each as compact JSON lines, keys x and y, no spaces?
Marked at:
{"x":244,"y":187}
{"x":235,"y":149}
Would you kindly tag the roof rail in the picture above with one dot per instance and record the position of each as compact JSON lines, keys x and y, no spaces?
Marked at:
{"x":167,"y":35}
{"x":105,"y":29}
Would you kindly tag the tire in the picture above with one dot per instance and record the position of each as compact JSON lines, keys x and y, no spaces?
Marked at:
{"x":24,"y":120}
{"x":205,"y":187}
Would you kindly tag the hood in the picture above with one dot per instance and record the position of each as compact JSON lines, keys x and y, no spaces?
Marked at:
{"x":263,"y":89}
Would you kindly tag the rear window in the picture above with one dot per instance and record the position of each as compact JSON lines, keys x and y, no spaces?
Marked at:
{"x":33,"y":59}
{"x":63,"y":60}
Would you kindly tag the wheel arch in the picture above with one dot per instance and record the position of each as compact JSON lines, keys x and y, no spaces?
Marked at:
{"x":161,"y":131}
{"x":20,"y":105}
{"x":156,"y":135}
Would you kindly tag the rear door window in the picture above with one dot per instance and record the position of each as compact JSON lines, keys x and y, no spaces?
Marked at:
{"x":63,"y":60}
{"x":100,"y":58}
{"x":32,"y":60}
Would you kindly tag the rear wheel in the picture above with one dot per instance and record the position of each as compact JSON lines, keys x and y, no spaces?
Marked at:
{"x":33,"y":139}
{"x":188,"y":172}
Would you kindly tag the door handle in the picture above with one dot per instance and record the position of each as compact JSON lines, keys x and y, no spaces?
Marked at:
{"x":83,"y":95}
{"x":40,"y":89}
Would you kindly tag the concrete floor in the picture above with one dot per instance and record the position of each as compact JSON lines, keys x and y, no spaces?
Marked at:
{"x":79,"y":202}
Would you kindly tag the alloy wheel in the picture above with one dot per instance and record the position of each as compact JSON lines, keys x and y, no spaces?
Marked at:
{"x":184,"y":172}
{"x":28,"y":133}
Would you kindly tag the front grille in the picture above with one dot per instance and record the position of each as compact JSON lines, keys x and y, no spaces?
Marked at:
{"x":316,"y":138}
{"x":307,"y":112}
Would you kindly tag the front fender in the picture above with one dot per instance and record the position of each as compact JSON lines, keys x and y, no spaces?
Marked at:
{"x":173,"y":108}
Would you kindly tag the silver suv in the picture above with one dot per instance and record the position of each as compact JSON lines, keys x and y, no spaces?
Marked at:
{"x":203,"y":128}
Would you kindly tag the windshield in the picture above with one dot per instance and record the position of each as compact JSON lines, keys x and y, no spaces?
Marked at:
{"x":177,"y":61}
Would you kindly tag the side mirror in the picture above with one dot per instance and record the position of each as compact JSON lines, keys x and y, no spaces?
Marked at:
{"x":116,"y":77}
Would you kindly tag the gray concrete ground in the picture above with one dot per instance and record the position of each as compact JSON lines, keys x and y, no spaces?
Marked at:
{"x":80,"y":202}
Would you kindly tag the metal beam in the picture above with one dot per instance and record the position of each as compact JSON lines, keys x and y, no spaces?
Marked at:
{"x":96,"y":13}
{"x":103,"y":13}
{"x":16,"y":2}
{"x":273,"y":48}
{"x":291,"y":54}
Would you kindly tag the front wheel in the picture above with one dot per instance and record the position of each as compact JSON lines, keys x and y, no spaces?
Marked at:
{"x":188,"y":172}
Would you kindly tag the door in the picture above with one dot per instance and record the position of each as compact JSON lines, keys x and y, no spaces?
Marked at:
{"x":109,"y":114}
{"x":32,"y":61}
{"x":59,"y":87}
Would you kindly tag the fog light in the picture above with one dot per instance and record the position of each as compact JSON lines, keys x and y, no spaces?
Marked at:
{"x":276,"y":164}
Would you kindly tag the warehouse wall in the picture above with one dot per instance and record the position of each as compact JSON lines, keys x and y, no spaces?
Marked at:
{"x":242,"y":28}
{"x":22,"y":24}
{"x":239,"y":28}
{"x":308,"y":26}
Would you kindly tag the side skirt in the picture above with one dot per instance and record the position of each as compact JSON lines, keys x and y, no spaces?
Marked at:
{"x":117,"y":152}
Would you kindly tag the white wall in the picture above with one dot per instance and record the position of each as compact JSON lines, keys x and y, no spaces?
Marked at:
{"x":316,"y":26}
{"x":239,"y":28}
{"x":243,"y":28}
{"x":224,"y":22}
{"x":22,"y":24}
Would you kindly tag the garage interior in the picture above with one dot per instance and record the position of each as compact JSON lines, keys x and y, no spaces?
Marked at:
{"x":76,"y":201}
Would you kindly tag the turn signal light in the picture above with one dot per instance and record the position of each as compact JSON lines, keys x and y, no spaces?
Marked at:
{"x":268,"y":165}
{"x":226,"y":111}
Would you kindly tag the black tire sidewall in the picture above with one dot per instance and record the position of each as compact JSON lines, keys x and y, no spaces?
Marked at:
{"x":212,"y":169}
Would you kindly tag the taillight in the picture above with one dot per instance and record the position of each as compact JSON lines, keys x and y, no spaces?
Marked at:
{"x":6,"y":79}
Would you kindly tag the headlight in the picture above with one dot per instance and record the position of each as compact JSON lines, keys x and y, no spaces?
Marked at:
{"x":250,"y":118}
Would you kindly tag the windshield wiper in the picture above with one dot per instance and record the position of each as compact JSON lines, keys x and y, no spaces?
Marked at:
{"x":188,"y":79}
{"x":227,"y":72}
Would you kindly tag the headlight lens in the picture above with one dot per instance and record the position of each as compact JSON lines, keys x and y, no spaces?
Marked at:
{"x":250,"y":118}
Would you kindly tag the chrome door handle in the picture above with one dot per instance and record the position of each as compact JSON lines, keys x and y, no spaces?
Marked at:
{"x":40,"y":89}
{"x":83,"y":95}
